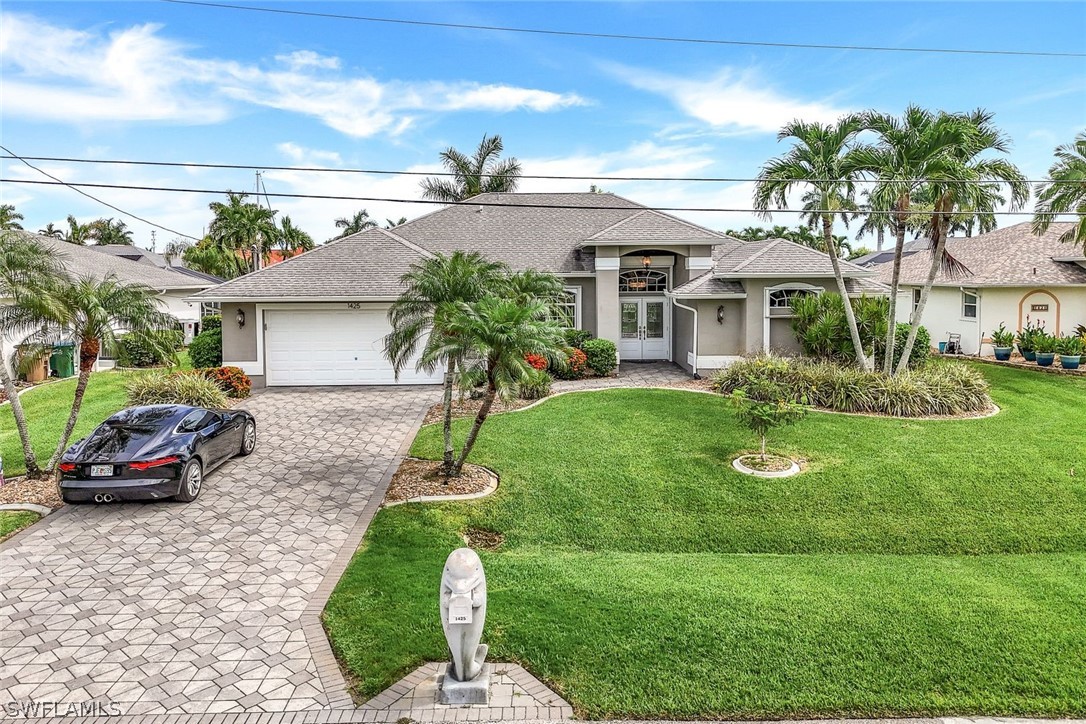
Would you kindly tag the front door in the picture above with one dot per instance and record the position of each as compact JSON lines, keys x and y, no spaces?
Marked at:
{"x":645,"y":328}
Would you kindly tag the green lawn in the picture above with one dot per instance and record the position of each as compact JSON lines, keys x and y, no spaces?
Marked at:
{"x":917,"y":567}
{"x":13,"y":521}
{"x":48,"y":406}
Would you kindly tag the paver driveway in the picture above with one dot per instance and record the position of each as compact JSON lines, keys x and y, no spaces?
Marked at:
{"x":170,"y":608}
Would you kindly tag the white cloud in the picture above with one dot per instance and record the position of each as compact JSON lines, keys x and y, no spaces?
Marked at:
{"x":135,"y":74}
{"x":308,"y":156}
{"x":730,"y":99}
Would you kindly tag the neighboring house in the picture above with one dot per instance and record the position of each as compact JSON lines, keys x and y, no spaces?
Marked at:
{"x":884,"y":255}
{"x":1012,"y":275}
{"x":174,"y":286}
{"x":661,"y":288}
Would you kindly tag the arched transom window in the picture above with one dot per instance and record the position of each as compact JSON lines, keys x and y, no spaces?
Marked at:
{"x":642,"y":280}
{"x":779,"y":301}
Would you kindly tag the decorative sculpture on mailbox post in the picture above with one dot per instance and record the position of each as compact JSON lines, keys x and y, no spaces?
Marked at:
{"x":463,"y":612}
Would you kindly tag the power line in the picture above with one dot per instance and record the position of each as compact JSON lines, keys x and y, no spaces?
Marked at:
{"x":58,"y":182}
{"x":621,"y":36}
{"x":387,"y":172}
{"x":474,"y":203}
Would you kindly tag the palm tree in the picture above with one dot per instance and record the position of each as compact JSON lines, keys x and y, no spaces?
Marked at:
{"x":479,"y":174}
{"x":1064,"y":192}
{"x":52,"y":231}
{"x":496,"y":334}
{"x":88,"y":311}
{"x":969,"y":183}
{"x":359,"y":222}
{"x":291,"y":239}
{"x":910,"y":149}
{"x":26,"y":269}
{"x":108,"y":231}
{"x":77,"y":233}
{"x":175,"y":249}
{"x":10,"y":218}
{"x":822,"y":160}
{"x":244,"y":228}
{"x":530,"y":286}
{"x":419,"y":318}
{"x":390,"y":224}
{"x":208,"y":257}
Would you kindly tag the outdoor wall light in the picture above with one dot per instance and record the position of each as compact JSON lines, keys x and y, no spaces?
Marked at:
{"x":241,"y":317}
{"x":646,"y":261}
{"x":720,"y":314}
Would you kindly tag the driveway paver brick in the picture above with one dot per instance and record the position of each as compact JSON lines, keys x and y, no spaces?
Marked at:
{"x":211,"y":606}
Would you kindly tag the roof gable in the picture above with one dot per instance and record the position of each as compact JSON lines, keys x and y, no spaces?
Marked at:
{"x":651,"y":225}
{"x":779,"y":258}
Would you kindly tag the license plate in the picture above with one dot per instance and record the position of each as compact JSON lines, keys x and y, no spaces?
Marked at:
{"x":101,"y":471}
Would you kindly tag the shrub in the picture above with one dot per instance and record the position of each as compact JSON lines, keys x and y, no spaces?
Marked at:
{"x":576,"y":337}
{"x":139,"y":350}
{"x":921,"y":348}
{"x":231,"y":380}
{"x":572,"y":367}
{"x":211,"y":321}
{"x":937,"y":389}
{"x":535,"y":386}
{"x":601,"y":355}
{"x":821,"y":328}
{"x":206,"y":348}
{"x":162,"y":388}
{"x":536,"y":361}
{"x":1002,"y":337}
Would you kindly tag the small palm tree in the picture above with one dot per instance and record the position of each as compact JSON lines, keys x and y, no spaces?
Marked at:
{"x":478,"y":174}
{"x":495,"y":335}
{"x":26,"y":269}
{"x":530,"y":286}
{"x":210,"y":258}
{"x":359,"y":222}
{"x":77,"y":233}
{"x":89,"y":311}
{"x":433,"y":289}
{"x":390,"y":224}
{"x":1064,"y":192}
{"x":291,"y":239}
{"x":10,"y":218}
{"x":52,"y":231}
{"x":824,"y":161}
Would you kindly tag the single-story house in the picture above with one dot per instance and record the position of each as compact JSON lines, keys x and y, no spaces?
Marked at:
{"x":174,"y":286}
{"x":1012,"y":275}
{"x":660,"y":287}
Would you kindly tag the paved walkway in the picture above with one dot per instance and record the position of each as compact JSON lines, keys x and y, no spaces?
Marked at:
{"x":630,"y":374}
{"x":212,"y":606}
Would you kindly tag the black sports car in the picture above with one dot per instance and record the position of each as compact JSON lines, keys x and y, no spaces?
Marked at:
{"x":157,"y":451}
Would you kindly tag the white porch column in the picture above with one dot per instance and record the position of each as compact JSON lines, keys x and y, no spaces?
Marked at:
{"x":607,"y":310}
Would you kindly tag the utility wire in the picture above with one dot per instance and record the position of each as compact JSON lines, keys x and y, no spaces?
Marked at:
{"x":521,"y":205}
{"x":58,"y":182}
{"x":621,"y":36}
{"x":386,"y":172}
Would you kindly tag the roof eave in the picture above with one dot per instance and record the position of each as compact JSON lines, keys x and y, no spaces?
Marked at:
{"x":265,"y":299}
{"x":653,"y":242}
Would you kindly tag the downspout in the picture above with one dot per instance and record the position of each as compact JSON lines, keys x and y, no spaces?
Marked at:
{"x":694,"y":341}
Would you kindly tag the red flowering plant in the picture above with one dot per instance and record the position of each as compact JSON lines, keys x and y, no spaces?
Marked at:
{"x":573,"y":367}
{"x":536,"y":361}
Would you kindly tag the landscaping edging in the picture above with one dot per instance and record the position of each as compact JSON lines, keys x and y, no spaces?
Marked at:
{"x":490,"y":488}
{"x":41,"y":510}
{"x":1023,"y":364}
{"x":794,"y":469}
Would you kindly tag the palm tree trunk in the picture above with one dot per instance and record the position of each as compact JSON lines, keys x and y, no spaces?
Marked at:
{"x":881,"y":237}
{"x":469,"y":442}
{"x":88,"y":354}
{"x":850,"y":316}
{"x":447,"y":465}
{"x":32,"y":469}
{"x":895,"y":286}
{"x":918,"y":313}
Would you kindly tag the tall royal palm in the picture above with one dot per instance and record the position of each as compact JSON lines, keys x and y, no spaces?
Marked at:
{"x":419,"y":318}
{"x":243,"y":228}
{"x":291,"y":239}
{"x":89,"y":311}
{"x":910,"y":149}
{"x":26,"y":270}
{"x":971,"y":181}
{"x":823,"y":161}
{"x":483,"y":172}
{"x":1064,"y":192}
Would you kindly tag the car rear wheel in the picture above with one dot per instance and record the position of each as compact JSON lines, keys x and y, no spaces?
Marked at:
{"x":192,"y":482}
{"x":248,"y":438}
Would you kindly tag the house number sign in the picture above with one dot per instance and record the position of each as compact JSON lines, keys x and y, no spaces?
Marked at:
{"x":1038,"y":307}
{"x":354,"y":305}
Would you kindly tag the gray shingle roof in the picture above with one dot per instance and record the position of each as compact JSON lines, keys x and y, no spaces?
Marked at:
{"x":1012,"y":256}
{"x":708,"y":285}
{"x":866,"y":286}
{"x":650,"y":225}
{"x":779,"y":257}
{"x":364,"y":265}
{"x":83,"y":261}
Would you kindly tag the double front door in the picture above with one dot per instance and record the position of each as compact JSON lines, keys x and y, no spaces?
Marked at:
{"x":645,"y":328}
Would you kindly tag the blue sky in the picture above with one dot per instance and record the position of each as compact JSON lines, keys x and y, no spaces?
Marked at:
{"x":158,"y":81}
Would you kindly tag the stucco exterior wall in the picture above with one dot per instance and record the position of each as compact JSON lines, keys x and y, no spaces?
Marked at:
{"x":239,"y":343}
{"x":780,"y":330}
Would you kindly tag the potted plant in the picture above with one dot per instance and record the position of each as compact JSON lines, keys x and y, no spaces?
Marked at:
{"x":1044,"y":347}
{"x":1070,"y":349}
{"x":1027,"y":337}
{"x":1002,"y":343}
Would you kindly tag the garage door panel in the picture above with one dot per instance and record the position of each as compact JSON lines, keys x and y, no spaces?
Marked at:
{"x":331,"y":347}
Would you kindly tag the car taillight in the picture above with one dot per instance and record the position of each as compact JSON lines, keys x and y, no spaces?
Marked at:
{"x":143,"y":465}
{"x":66,"y":467}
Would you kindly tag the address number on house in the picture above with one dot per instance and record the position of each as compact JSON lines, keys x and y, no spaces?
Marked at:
{"x":1038,"y":307}
{"x":354,"y":305}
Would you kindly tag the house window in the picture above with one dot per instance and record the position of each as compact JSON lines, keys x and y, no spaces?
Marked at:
{"x":969,"y":305}
{"x":642,"y":280}
{"x":780,"y":300}
{"x":916,"y":299}
{"x":567,"y":309}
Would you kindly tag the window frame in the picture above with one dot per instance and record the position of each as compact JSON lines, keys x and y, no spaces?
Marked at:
{"x":574,"y":304}
{"x":650,"y":276}
{"x":916,"y":297}
{"x":788,"y":293}
{"x":975,"y":304}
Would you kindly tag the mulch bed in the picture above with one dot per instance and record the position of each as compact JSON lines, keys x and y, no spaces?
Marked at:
{"x":771,"y":464}
{"x":39,"y":492}
{"x":19,"y":387}
{"x":417,"y":478}
{"x":470,"y":408}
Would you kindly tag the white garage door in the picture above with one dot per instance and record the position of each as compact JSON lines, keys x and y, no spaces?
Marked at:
{"x":331,"y":347}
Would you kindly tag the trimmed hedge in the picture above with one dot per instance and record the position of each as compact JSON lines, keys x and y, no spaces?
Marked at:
{"x":602,"y":356}
{"x":136,"y":350}
{"x":161,"y":388}
{"x":942,"y":389}
{"x":205,"y":349}
{"x":535,"y":386}
{"x":211,"y":321}
{"x":576,"y":337}
{"x":231,"y":380}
